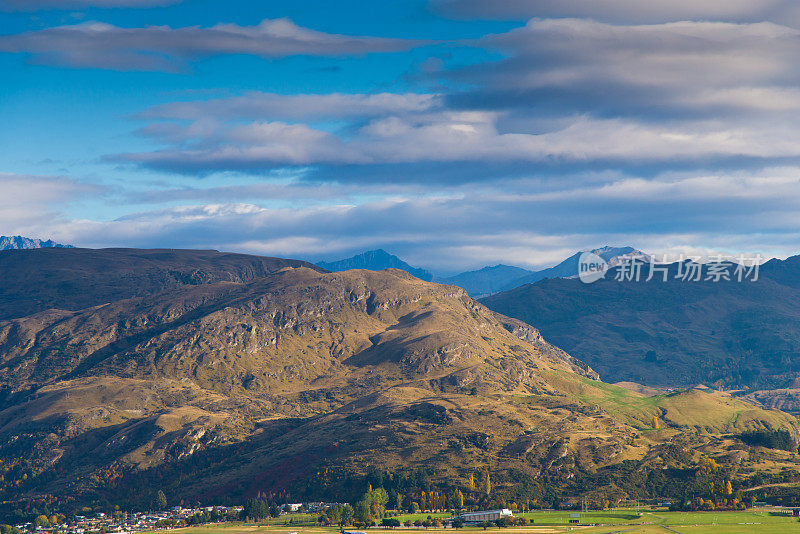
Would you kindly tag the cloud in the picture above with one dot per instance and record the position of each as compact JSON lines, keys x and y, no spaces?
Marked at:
{"x":272,"y":106}
{"x":462,"y":137}
{"x":27,"y":201}
{"x":161,"y":48}
{"x":578,"y":65}
{"x":625,"y":11}
{"x":33,"y":5}
{"x":568,"y":94}
{"x":456,"y":227}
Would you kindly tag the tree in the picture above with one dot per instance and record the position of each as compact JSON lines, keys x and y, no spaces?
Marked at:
{"x":458,"y":499}
{"x":161,"y":500}
{"x":471,"y":482}
{"x":728,"y":487}
{"x":457,"y":522}
{"x":656,"y":423}
{"x":487,"y":484}
{"x":362,"y":513}
{"x":347,"y":514}
{"x":41,"y":521}
{"x":257,"y":509}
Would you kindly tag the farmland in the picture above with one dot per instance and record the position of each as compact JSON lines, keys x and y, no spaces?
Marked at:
{"x":609,"y":521}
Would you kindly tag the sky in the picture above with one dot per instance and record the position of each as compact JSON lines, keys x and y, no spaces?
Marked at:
{"x":454,"y":133}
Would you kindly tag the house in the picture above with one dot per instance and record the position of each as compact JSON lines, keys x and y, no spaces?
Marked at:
{"x":485,"y":515}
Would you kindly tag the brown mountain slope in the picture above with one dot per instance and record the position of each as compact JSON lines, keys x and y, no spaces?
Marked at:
{"x":295,"y":330}
{"x":299,"y":379}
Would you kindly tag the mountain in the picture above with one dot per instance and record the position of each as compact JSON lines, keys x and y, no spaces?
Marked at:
{"x":271,"y":376}
{"x":375,"y":260}
{"x":490,"y":280}
{"x":487,"y":280}
{"x":569,"y":267}
{"x":19,"y":243}
{"x":74,"y":279}
{"x":675,"y":333}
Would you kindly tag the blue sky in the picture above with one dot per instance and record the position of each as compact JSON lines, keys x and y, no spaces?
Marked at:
{"x":456,"y":133}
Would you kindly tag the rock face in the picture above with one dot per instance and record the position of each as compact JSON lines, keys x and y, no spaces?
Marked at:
{"x":250,"y":375}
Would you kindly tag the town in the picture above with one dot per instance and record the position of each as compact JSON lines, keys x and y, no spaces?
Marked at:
{"x":177,"y":517}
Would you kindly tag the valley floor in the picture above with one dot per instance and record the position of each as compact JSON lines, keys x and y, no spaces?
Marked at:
{"x":603,"y":522}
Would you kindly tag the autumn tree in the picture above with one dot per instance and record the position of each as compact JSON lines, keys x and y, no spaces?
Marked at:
{"x":458,"y":499}
{"x":161,"y":500}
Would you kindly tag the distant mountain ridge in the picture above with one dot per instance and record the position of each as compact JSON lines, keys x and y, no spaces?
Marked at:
{"x":490,"y":280}
{"x":569,"y":267}
{"x":18,"y":242}
{"x":673,"y":333}
{"x":375,"y":260}
{"x":487,"y":280}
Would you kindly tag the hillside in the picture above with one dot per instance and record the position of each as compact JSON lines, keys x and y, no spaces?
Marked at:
{"x":672,"y":333}
{"x":305,"y":382}
{"x":72,"y":279}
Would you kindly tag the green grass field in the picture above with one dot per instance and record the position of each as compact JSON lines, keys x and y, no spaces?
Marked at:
{"x":608,"y":522}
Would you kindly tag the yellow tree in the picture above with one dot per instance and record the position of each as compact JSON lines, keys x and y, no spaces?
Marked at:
{"x":423,"y":502}
{"x":459,"y":499}
{"x":728,"y":487}
{"x":656,"y":423}
{"x":471,"y":483}
{"x":487,"y":484}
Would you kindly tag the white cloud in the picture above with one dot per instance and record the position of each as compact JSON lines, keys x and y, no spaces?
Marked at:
{"x":27,"y":203}
{"x":468,"y":226}
{"x":468,"y":137}
{"x":255,"y":105}
{"x":100,"y":45}
{"x":627,"y":11}
{"x":603,"y":65}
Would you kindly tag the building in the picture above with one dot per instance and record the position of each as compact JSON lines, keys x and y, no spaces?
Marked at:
{"x":485,"y":515}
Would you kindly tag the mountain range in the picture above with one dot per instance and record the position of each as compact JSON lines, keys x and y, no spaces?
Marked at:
{"x":487,"y":280}
{"x":219,"y":376}
{"x":17,"y":242}
{"x":675,"y":333}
